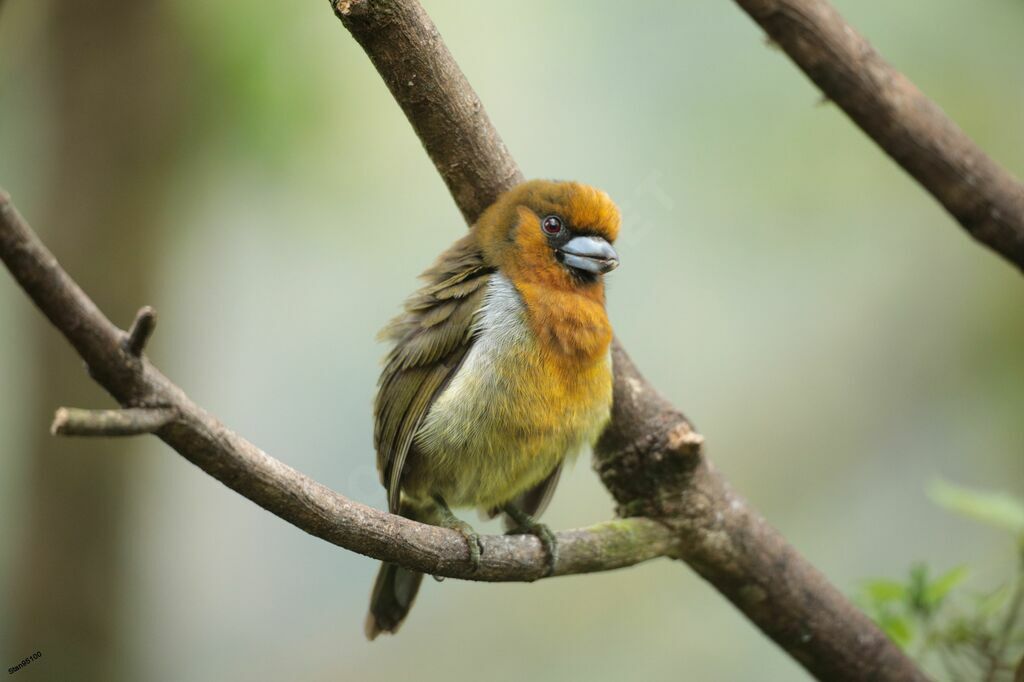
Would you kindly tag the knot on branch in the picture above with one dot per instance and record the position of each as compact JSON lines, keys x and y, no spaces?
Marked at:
{"x":649,"y":469}
{"x":346,"y":8}
{"x":683,"y":439}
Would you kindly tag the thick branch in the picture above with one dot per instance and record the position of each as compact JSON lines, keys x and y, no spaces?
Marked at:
{"x":982,"y":196}
{"x":135,"y":421}
{"x":650,"y":457}
{"x":273,"y":485}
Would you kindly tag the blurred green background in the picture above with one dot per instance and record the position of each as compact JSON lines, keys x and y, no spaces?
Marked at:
{"x":241,"y":167}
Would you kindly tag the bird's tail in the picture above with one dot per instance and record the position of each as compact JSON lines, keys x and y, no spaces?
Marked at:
{"x":394,"y":591}
{"x":391,"y":599}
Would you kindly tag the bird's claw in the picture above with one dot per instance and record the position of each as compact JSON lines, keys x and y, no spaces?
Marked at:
{"x":472,"y":542}
{"x":449,"y":520}
{"x":527,"y":525}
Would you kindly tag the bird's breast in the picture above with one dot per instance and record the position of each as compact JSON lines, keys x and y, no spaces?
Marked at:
{"x":514,"y":409}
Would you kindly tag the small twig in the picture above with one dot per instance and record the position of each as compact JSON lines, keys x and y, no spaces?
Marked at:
{"x":133,"y":421}
{"x":142,"y":329}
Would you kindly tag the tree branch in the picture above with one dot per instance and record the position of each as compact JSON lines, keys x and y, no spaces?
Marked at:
{"x":650,"y":458}
{"x":149,"y":397}
{"x":70,"y":421}
{"x":982,"y":196}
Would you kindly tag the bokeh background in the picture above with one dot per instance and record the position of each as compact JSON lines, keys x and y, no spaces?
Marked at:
{"x":240,"y":166}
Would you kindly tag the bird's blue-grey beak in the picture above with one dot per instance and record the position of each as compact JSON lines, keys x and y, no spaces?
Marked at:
{"x":591,"y":254}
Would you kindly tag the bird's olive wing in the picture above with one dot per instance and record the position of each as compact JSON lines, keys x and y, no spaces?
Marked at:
{"x":431,"y":337}
{"x":535,"y":500}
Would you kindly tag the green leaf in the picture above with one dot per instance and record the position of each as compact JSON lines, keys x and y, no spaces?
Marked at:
{"x":885,"y":591}
{"x":917,"y":585}
{"x":994,"y":508}
{"x":937,"y":590}
{"x":898,"y":628}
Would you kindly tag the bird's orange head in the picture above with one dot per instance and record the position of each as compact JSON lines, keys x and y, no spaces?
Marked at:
{"x":557,"y":235}
{"x":553,"y":240}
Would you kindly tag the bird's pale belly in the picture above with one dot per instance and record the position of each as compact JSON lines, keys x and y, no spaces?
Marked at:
{"x":509,"y":415}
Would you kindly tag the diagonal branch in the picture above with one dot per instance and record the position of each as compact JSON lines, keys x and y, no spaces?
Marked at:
{"x":650,"y":458}
{"x":153,"y":403}
{"x":983,"y":197}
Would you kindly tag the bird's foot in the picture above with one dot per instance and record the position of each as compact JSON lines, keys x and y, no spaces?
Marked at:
{"x":527,"y":525}
{"x":447,"y":519}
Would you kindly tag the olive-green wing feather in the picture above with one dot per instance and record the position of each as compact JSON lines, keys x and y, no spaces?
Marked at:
{"x":535,"y":500}
{"x":431,"y":337}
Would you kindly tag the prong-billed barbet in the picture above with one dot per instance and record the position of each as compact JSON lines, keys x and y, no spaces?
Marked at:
{"x":500,"y":370}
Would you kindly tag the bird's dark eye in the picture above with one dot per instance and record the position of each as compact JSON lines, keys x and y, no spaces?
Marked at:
{"x":552,"y":225}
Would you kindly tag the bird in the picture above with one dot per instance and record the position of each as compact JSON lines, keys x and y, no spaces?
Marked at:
{"x":499,"y":372}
